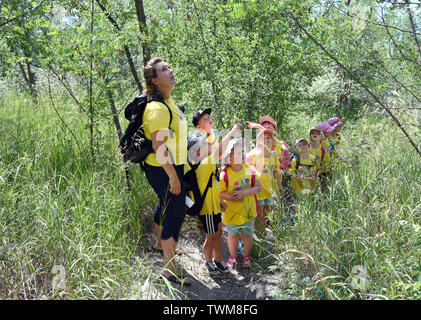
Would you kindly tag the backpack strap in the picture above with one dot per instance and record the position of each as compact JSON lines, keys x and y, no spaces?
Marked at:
{"x":323,"y":152}
{"x":205,"y":192}
{"x":253,"y":175}
{"x":297,"y":159}
{"x":226,"y":177}
{"x":253,"y":181}
{"x":165,"y":104}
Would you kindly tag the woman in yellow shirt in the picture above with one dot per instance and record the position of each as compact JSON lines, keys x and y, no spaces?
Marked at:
{"x":240,"y":182}
{"x":164,"y":168}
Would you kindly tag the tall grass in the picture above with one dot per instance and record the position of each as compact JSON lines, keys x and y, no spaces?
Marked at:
{"x":364,"y":235}
{"x":63,"y":216}
{"x":66,"y":216}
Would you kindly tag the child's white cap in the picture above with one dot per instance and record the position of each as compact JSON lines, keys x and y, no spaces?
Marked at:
{"x":299,"y":140}
{"x":227,"y":152}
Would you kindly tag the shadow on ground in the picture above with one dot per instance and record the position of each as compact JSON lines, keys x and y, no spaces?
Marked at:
{"x":240,"y":284}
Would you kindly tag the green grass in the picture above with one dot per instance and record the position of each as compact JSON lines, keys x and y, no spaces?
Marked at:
{"x":58,"y":207}
{"x":371,"y":218}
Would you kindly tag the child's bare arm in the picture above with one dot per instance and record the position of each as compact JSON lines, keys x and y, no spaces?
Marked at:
{"x":248,"y":192}
{"x":226,"y":197}
{"x":224,"y":143}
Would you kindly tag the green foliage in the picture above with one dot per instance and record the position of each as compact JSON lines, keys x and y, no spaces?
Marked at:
{"x":64,"y":202}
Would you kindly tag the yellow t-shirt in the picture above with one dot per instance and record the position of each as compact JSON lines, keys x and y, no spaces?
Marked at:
{"x":239,"y":212}
{"x":306,"y":169}
{"x":317,"y":152}
{"x":329,"y":155}
{"x":156,"y":118}
{"x":283,"y":153}
{"x":211,"y":204}
{"x":337,"y":140}
{"x":266,"y":167}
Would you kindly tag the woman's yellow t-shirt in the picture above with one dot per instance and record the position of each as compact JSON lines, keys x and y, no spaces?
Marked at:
{"x":306,"y":169}
{"x":156,"y":118}
{"x":239,"y":213}
{"x":266,"y":167}
{"x":211,"y":204}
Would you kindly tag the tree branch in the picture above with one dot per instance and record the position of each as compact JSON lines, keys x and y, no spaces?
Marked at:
{"x":414,"y":34}
{"x":126,"y":48}
{"x":357,"y":80}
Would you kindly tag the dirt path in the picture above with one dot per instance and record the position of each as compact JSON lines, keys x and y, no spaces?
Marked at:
{"x":256,"y":283}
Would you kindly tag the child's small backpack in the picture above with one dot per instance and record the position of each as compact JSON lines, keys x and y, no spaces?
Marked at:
{"x":297,"y":159}
{"x":191,"y":185}
{"x":135,"y":147}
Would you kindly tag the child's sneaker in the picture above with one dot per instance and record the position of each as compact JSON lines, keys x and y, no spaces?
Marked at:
{"x":220,"y":266}
{"x":213,"y":271}
{"x":231,"y":262}
{"x":246,"y":262}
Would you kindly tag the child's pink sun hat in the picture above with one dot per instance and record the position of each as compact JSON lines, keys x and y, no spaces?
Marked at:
{"x":335,"y":122}
{"x":325,"y":127}
{"x":270,"y":120}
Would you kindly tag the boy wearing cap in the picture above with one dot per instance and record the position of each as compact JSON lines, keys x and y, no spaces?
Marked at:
{"x":304,"y":168}
{"x":203,"y":123}
{"x":206,"y":154}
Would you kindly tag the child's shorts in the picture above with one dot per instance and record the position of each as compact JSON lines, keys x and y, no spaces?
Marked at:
{"x":265,"y":202}
{"x":210,"y":222}
{"x":245,"y":228}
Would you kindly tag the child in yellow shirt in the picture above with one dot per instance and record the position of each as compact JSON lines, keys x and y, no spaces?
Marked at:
{"x":205,"y":155}
{"x":304,"y":168}
{"x":337,"y":123}
{"x":264,"y":159}
{"x":315,"y":148}
{"x":203,"y":123}
{"x":240,"y":183}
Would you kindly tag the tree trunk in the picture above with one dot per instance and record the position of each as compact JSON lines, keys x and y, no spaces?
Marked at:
{"x":141,"y":18}
{"x":414,"y":33}
{"x":114,"y":113}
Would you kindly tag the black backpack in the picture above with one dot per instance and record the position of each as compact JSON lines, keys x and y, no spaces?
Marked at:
{"x":191,"y":185}
{"x":135,"y":147}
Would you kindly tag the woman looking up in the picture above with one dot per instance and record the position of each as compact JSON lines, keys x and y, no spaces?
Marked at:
{"x":166,"y":126}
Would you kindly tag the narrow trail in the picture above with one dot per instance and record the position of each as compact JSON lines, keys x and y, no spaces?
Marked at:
{"x":239,"y":284}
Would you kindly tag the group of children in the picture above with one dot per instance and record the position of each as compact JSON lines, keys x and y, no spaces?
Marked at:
{"x":242,"y":190}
